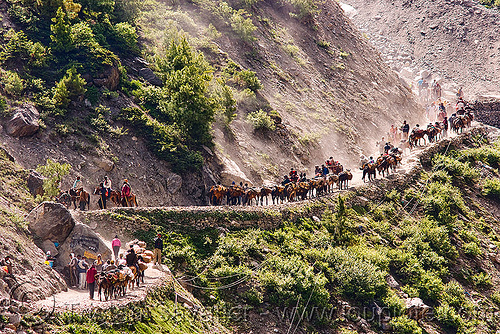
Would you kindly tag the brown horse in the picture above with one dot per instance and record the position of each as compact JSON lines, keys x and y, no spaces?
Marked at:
{"x":249,"y":195}
{"x":332,"y":179}
{"x":264,"y":192}
{"x":303,"y":189}
{"x":114,"y":196}
{"x":216,"y":193}
{"x":319,"y":185}
{"x":291,"y":191}
{"x":336,"y":169}
{"x":344,"y":179}
{"x":80,"y":196}
{"x":130,"y":200}
{"x":415,"y":137}
{"x":234,"y":195}
{"x":278,"y":194}
{"x":370,"y":170}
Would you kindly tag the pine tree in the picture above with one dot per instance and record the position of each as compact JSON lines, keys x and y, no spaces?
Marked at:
{"x":61,"y":32}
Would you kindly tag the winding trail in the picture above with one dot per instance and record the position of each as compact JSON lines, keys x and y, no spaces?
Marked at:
{"x":78,"y":300}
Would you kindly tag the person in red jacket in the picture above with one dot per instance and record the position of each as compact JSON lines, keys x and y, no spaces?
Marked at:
{"x":91,"y":273}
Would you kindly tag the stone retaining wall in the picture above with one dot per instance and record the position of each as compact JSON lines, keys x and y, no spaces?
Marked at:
{"x":487,"y":111}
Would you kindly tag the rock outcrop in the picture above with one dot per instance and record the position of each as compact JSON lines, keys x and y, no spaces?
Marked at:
{"x":147,"y":74}
{"x":109,"y":78}
{"x":35,"y":183}
{"x":51,"y":221}
{"x":24,"y":122}
{"x":82,"y":241}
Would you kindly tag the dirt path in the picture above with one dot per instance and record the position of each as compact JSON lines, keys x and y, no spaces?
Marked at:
{"x":78,"y":300}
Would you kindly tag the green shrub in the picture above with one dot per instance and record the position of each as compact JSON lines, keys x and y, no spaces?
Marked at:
{"x":261,"y":120}
{"x":12,"y":83}
{"x":457,"y":169}
{"x":447,"y":315}
{"x":471,"y":249}
{"x":430,"y":287}
{"x":19,"y":47}
{"x":396,"y":305}
{"x":4,"y":107}
{"x":491,"y":188}
{"x":357,"y":278}
{"x":243,"y":26}
{"x":405,"y":325}
{"x":495,"y":297}
{"x":323,"y":44}
{"x":53,"y":172}
{"x":163,"y":140}
{"x":287,"y":278}
{"x":125,"y":37}
{"x":70,"y":88}
{"x":454,"y":295}
{"x":487,"y":154}
{"x":482,"y":280}
{"x":443,"y":202}
{"x":248,"y":79}
{"x":305,"y":7}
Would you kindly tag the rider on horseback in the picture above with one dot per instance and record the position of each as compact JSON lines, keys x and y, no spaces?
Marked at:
{"x":126,"y":190}
{"x":293,"y":175}
{"x":416,"y":128}
{"x":107,"y":184}
{"x":78,"y":184}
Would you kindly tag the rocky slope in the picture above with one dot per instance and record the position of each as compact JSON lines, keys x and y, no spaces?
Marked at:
{"x":332,"y":91}
{"x":457,"y":41}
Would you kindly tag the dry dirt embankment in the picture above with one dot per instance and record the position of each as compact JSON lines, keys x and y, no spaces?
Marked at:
{"x":457,"y":41}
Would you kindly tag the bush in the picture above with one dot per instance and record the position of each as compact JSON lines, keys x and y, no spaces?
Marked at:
{"x":4,"y":108}
{"x":405,"y":325}
{"x":19,"y":47}
{"x":71,"y":87}
{"x":487,"y":154}
{"x":357,"y":278}
{"x":12,"y":83}
{"x":54,"y":172}
{"x":447,"y":315}
{"x":482,"y":280}
{"x":471,"y":249}
{"x":125,"y":37}
{"x":305,"y":7}
{"x":248,"y":79}
{"x":285,"y":278}
{"x":491,"y":188}
{"x":454,"y":295}
{"x":261,"y":120}
{"x":163,"y":140}
{"x":242,"y":25}
{"x":443,"y":201}
{"x":396,"y":305}
{"x":430,"y":287}
{"x":457,"y":169}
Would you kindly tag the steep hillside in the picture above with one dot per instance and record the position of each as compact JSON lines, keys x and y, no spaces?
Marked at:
{"x":287,"y":85}
{"x":456,"y":41}
{"x":32,"y":279}
{"x":332,"y":91}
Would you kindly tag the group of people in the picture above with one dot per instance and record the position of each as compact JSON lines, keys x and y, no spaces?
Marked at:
{"x":83,"y":271}
{"x":428,"y":92}
{"x":105,"y":191}
{"x":330,"y":166}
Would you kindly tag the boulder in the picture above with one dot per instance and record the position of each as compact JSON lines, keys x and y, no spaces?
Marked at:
{"x":24,"y":122}
{"x":415,"y":308}
{"x":51,"y":221}
{"x":48,"y":246}
{"x":106,"y":165}
{"x":147,"y":74}
{"x":82,"y":241}
{"x":174,"y":183}
{"x":109,"y":78}
{"x":35,"y":183}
